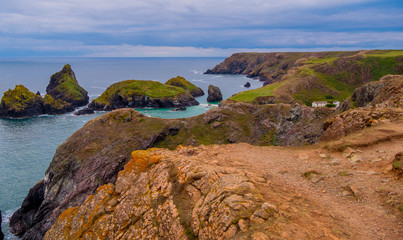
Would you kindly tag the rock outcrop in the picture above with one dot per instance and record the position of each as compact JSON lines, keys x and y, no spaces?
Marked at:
{"x":64,"y":85}
{"x":94,"y":155}
{"x":188,"y":86}
{"x":20,"y":102}
{"x":169,"y":195}
{"x":84,"y":111}
{"x":247,"y":84}
{"x":214,"y":94}
{"x":140,"y":94}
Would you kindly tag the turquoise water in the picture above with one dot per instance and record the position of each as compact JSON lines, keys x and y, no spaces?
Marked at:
{"x":28,"y":145}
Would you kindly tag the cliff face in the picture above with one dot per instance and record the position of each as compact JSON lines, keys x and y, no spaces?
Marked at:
{"x":93,"y":155}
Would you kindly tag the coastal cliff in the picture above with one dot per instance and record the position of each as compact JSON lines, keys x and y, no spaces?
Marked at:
{"x":100,"y":183}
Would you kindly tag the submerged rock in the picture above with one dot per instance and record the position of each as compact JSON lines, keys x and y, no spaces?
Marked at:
{"x":183,"y":83}
{"x":64,"y":85}
{"x":214,"y":94}
{"x":139,"y":94}
{"x":84,"y":111}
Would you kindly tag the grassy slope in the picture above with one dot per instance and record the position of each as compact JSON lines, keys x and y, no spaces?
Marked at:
{"x":19,"y":98}
{"x":69,"y":86}
{"x":378,"y":62}
{"x":129,"y":88}
{"x":181,"y":82}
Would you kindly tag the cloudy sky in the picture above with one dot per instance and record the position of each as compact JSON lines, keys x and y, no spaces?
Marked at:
{"x":152,"y":28}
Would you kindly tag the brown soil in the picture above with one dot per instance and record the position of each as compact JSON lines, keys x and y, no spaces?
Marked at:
{"x":320,"y":192}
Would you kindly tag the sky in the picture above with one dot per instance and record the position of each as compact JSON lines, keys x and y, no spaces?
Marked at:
{"x":195,"y":28}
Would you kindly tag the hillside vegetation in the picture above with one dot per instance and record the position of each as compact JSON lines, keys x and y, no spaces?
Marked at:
{"x":309,"y":77}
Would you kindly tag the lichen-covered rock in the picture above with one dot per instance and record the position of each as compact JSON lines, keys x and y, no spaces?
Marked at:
{"x":214,"y":94}
{"x":166,"y":195}
{"x":139,"y":94}
{"x":64,"y":85}
{"x":20,"y":102}
{"x":93,"y":155}
{"x":58,"y":106}
{"x":183,"y":83}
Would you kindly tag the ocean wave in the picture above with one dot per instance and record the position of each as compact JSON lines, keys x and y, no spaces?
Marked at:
{"x":198,"y":80}
{"x":96,"y":87}
{"x":196,"y":72}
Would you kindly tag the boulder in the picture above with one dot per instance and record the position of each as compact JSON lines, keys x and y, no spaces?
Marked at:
{"x":20,"y":102}
{"x":183,"y":83}
{"x":247,"y":84}
{"x":64,"y":85}
{"x":214,"y":94}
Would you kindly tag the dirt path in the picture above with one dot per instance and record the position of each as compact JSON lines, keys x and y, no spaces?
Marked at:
{"x":333,"y":196}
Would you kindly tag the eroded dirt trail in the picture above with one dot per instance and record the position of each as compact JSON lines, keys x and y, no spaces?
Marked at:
{"x":334,"y":195}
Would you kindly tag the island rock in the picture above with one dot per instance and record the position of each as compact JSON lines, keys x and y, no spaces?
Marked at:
{"x":247,"y":84}
{"x":183,"y":83}
{"x":64,"y":85}
{"x":20,"y":102}
{"x":214,"y":94}
{"x":84,"y":111}
{"x":140,"y":94}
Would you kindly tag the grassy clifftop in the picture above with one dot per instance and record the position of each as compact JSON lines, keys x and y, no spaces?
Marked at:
{"x":183,"y":83}
{"x":322,"y":76}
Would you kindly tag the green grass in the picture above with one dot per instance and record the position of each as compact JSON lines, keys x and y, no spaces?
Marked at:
{"x":381,"y":66}
{"x":19,"y":98}
{"x":128,"y":88}
{"x":181,"y":82}
{"x":385,"y":53}
{"x":320,"y":60}
{"x":250,"y":95}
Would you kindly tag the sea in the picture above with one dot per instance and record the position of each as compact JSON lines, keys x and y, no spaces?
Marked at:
{"x":27,"y":145}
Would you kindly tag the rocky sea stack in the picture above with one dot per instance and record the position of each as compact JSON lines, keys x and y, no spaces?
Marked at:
{"x":64,"y":85}
{"x":214,"y":94}
{"x":140,"y":94}
{"x":183,"y":83}
{"x":20,"y":102}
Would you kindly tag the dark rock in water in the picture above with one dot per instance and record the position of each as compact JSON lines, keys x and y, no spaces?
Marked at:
{"x":20,"y":102}
{"x":183,"y":83}
{"x":64,"y":85}
{"x":58,"y":106}
{"x":214,"y":94}
{"x":247,"y":84}
{"x":1,"y":233}
{"x":25,"y":217}
{"x":84,"y":111}
{"x":180,"y":109}
{"x":38,"y":93}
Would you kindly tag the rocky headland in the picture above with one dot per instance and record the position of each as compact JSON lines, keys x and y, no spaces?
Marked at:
{"x":140,"y":94}
{"x":63,"y":95}
{"x":188,"y":86}
{"x":128,"y":176}
{"x":309,"y":77}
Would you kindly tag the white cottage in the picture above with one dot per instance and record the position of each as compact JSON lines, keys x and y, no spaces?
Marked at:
{"x":319,"y":104}
{"x":337,"y":103}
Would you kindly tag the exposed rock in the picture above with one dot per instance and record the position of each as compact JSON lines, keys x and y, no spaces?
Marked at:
{"x":93,"y":155}
{"x":247,"y":84}
{"x":150,"y":199}
{"x":265,"y":100}
{"x":24,"y":218}
{"x":183,"y":83}
{"x":64,"y":85}
{"x":38,"y":93}
{"x":139,"y":94}
{"x":84,"y":111}
{"x":214,"y":94}
{"x":20,"y":102}
{"x":386,"y":92}
{"x":58,"y":106}
{"x":397,"y":163}
{"x":180,"y":109}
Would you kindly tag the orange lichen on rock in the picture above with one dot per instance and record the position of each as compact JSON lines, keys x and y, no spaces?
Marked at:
{"x":141,"y":161}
